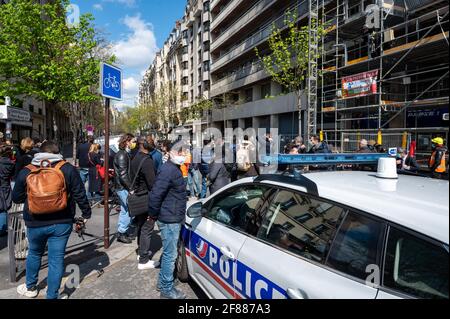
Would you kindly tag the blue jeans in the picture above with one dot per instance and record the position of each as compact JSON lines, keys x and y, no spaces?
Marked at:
{"x":124,"y":217}
{"x":3,"y":223}
{"x":204,"y":187}
{"x":193,"y":183}
{"x":56,"y":236}
{"x":170,"y":234}
{"x":84,"y":174}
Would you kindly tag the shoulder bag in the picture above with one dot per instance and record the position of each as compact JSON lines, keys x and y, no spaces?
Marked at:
{"x":137,"y":201}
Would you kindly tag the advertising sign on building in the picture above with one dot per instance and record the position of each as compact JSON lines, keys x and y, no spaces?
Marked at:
{"x":361,"y":84}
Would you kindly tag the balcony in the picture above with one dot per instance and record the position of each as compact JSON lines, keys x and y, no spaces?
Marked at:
{"x":257,"y":38}
{"x":206,"y":56}
{"x":185,"y":88}
{"x":185,"y":73}
{"x":229,"y":8}
{"x":206,"y":36}
{"x":206,"y":76}
{"x":185,"y":57}
{"x":245,"y":19}
{"x":206,"y":16}
{"x":245,"y":76}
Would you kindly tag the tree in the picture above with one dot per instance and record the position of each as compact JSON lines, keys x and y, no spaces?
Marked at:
{"x":195,"y":111}
{"x":289,"y":59}
{"x":41,"y":56}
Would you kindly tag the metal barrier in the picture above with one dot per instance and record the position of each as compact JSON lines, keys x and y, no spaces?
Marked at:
{"x":350,"y":141}
{"x":17,"y":242}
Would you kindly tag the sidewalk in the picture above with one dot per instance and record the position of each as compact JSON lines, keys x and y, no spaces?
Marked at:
{"x":79,"y":252}
{"x":104,"y":274}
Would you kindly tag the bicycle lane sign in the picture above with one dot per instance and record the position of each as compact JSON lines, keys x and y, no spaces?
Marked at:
{"x":111,"y":81}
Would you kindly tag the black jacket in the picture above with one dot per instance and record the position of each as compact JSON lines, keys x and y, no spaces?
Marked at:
{"x":75,"y":191}
{"x":122,"y":168}
{"x":146,"y":177}
{"x":218,"y":176}
{"x":23,"y":159}
{"x":6,"y":173}
{"x":322,"y":148}
{"x":168,"y":198}
{"x":82,"y":155}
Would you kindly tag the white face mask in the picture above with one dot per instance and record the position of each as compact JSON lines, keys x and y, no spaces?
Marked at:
{"x":178,"y":160}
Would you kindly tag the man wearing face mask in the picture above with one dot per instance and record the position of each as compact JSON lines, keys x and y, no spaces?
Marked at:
{"x":122,"y":167}
{"x":167,"y":205}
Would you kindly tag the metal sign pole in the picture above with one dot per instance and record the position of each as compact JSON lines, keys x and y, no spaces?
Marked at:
{"x":106,"y":186}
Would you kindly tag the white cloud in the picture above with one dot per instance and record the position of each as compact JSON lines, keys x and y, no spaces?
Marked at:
{"x":98,"y":7}
{"x":135,"y":52}
{"x":139,"y":48}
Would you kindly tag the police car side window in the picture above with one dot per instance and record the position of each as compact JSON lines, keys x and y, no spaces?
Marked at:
{"x":300,"y":224}
{"x":415,"y":266}
{"x":237,"y":207}
{"x":356,"y":245}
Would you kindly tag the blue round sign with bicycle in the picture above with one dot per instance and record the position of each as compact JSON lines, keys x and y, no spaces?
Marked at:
{"x":111,"y":81}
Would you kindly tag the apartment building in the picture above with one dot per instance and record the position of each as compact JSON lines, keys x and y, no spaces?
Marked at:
{"x":182,"y":65}
{"x":243,"y":93}
{"x":408,"y":51}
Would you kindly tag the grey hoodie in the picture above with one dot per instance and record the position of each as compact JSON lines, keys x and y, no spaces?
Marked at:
{"x":52,"y":158}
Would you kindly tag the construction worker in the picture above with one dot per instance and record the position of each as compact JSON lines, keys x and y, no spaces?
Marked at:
{"x":438,"y":165}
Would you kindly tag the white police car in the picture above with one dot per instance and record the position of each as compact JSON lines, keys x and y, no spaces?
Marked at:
{"x":321,"y":235}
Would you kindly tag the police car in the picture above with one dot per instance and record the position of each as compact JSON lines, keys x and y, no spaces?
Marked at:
{"x":343,"y":234}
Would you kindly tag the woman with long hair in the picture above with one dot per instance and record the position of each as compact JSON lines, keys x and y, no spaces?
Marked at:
{"x":25,"y":154}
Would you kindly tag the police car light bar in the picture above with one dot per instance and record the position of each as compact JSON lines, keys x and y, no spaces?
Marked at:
{"x":325,"y":159}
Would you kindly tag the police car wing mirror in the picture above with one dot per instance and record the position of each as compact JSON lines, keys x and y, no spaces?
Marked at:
{"x":195,"y":211}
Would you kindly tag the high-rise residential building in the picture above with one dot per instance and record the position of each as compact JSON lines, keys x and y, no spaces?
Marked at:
{"x":405,"y":55}
{"x":182,"y":65}
{"x":399,"y":62}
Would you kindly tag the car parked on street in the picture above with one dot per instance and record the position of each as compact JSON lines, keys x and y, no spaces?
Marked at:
{"x":344,"y":235}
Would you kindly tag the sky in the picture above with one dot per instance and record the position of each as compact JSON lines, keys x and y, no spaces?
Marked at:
{"x":136,"y":29}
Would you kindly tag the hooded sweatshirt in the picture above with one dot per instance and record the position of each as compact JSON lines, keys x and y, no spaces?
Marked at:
{"x":75,"y":191}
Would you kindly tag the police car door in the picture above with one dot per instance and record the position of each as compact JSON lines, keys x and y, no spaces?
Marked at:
{"x":218,"y":237}
{"x":287,"y":257}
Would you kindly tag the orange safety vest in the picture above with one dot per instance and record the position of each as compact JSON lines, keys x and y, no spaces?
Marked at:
{"x":442,"y":167}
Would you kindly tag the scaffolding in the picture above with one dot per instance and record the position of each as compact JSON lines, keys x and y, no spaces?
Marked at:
{"x":406,"y":50}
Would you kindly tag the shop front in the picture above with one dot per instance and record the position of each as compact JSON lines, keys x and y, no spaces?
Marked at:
{"x":15,"y":123}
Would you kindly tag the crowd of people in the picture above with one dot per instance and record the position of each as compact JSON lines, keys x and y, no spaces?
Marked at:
{"x":153,"y":181}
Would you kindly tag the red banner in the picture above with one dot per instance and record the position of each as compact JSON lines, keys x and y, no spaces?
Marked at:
{"x":361,"y":84}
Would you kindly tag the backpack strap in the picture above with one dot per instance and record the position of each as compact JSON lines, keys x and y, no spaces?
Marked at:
{"x":60,"y":165}
{"x":137,"y":173}
{"x":32,"y":168}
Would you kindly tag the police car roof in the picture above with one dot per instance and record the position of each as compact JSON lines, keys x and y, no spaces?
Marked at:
{"x":418,"y":203}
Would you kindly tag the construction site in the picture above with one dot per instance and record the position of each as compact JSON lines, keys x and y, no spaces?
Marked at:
{"x":383,"y":74}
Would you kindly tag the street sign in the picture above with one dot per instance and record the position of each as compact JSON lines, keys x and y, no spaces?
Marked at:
{"x":111,"y":82}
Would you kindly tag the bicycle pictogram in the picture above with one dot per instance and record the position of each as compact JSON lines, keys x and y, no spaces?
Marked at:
{"x":111,"y":82}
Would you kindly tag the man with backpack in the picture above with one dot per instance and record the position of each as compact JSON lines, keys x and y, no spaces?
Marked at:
{"x":49,"y":187}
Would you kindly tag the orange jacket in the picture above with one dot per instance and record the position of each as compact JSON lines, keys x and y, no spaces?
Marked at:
{"x":185,"y":167}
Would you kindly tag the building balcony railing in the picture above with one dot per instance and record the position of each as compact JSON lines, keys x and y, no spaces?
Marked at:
{"x":243,"y":20}
{"x":238,"y":75}
{"x":224,"y":12}
{"x":259,"y":37}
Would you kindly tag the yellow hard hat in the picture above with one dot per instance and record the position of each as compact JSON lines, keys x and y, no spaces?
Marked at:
{"x":438,"y":141}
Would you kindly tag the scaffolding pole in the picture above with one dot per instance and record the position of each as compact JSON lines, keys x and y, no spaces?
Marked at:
{"x":312,"y":80}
